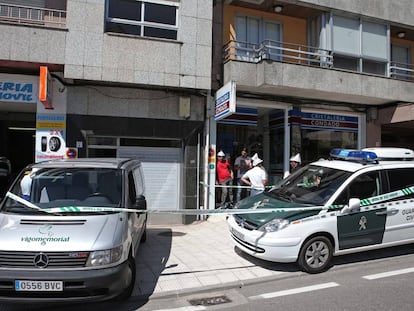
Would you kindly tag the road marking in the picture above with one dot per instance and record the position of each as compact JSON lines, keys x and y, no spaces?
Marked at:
{"x":388,"y":274}
{"x":189,"y":308}
{"x":295,"y":291}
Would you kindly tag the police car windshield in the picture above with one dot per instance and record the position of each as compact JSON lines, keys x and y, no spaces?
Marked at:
{"x":312,"y":185}
{"x":61,"y":187}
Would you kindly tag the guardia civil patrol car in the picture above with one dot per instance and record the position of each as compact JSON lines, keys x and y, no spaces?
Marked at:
{"x":357,"y":200}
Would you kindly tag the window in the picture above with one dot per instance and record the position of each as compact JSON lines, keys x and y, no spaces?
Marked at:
{"x":401,"y":178}
{"x":360,"y":45}
{"x":363,"y":187}
{"x":400,"y":58}
{"x":139,"y":182}
{"x":252,"y":32}
{"x":156,"y":19}
{"x":132,"y":194}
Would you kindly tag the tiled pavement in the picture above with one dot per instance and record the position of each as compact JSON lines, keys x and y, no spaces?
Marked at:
{"x":189,"y":257}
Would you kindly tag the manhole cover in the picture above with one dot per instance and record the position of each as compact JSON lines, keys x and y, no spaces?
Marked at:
{"x":171,"y":233}
{"x":209,"y":301}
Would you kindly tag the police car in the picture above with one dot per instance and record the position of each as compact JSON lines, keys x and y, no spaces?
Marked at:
{"x":357,"y":200}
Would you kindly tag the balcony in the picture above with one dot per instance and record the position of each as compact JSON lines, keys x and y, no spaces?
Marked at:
{"x":33,"y":16}
{"x":278,"y":51}
{"x":292,"y":70}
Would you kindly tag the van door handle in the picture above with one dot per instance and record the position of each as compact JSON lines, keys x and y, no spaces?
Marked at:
{"x":382,"y":213}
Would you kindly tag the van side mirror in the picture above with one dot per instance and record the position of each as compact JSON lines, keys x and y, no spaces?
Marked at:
{"x":354,"y":206}
{"x":140,"y":202}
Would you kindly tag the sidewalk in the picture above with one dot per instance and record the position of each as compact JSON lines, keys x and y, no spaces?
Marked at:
{"x":190,"y":257}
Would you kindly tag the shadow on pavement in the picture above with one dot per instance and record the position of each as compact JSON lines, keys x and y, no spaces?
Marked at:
{"x":374,"y":255}
{"x":366,"y":256}
{"x":150,"y":263}
{"x":274,"y":266}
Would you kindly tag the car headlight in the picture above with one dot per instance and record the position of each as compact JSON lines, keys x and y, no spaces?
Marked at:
{"x":105,"y":257}
{"x":274,"y":225}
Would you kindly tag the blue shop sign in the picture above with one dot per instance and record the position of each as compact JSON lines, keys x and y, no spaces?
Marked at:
{"x":17,"y":92}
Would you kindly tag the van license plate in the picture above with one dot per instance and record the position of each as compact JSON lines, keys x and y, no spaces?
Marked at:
{"x":38,"y":286}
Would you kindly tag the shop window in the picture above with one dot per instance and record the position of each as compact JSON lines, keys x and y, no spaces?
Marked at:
{"x":317,"y":144}
{"x":142,"y":18}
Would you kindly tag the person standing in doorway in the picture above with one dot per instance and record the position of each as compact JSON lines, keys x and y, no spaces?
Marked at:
{"x":256,"y":177}
{"x":224,"y":177}
{"x":242,"y":164}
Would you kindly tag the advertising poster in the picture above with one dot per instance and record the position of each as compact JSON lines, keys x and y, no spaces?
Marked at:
{"x":51,"y":122}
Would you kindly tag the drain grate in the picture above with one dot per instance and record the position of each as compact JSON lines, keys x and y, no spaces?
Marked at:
{"x":209,"y":301}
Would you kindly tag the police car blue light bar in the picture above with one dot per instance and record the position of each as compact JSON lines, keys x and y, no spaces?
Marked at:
{"x":353,"y":155}
{"x":392,"y":153}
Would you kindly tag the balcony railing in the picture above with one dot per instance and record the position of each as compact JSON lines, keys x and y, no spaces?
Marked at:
{"x":32,"y":15}
{"x":401,"y":71}
{"x":299,"y":54}
{"x":277,"y":51}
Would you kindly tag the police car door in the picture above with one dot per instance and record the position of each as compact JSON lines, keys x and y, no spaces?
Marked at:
{"x":400,"y":215}
{"x":366,"y":226}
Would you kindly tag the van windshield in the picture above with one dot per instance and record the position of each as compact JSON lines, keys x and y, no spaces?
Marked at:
{"x":63,"y":187}
{"x":312,"y":185}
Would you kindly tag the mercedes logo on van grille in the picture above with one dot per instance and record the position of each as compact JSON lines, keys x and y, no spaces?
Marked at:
{"x":41,"y":260}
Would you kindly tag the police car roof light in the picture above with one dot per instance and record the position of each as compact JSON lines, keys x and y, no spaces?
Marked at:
{"x":392,"y":153}
{"x":354,"y":155}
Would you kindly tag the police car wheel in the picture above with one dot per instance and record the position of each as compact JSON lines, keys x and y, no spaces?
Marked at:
{"x":315,"y":255}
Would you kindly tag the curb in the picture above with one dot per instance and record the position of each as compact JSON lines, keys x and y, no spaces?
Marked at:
{"x":209,"y":288}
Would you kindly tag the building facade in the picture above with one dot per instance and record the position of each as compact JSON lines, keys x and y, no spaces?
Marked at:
{"x":314,"y":75}
{"x":123,"y":78}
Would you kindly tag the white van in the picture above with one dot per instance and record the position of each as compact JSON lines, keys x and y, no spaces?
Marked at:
{"x":48,"y":252}
{"x":354,"y":201}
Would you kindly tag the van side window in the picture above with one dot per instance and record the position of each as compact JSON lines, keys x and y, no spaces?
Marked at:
{"x":139,"y":181}
{"x":401,"y":178}
{"x":364,"y":186}
{"x":131,"y":188}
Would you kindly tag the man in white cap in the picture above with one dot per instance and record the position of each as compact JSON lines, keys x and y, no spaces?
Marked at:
{"x":295,"y":162}
{"x":256,"y":177}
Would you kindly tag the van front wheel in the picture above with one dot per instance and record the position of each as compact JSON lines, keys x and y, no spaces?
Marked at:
{"x":315,"y":255}
{"x":131,"y":280}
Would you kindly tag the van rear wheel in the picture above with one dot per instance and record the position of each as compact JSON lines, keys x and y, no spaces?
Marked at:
{"x":315,"y":255}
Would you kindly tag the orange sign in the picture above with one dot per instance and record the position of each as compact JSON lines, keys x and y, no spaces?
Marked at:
{"x":45,"y":87}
